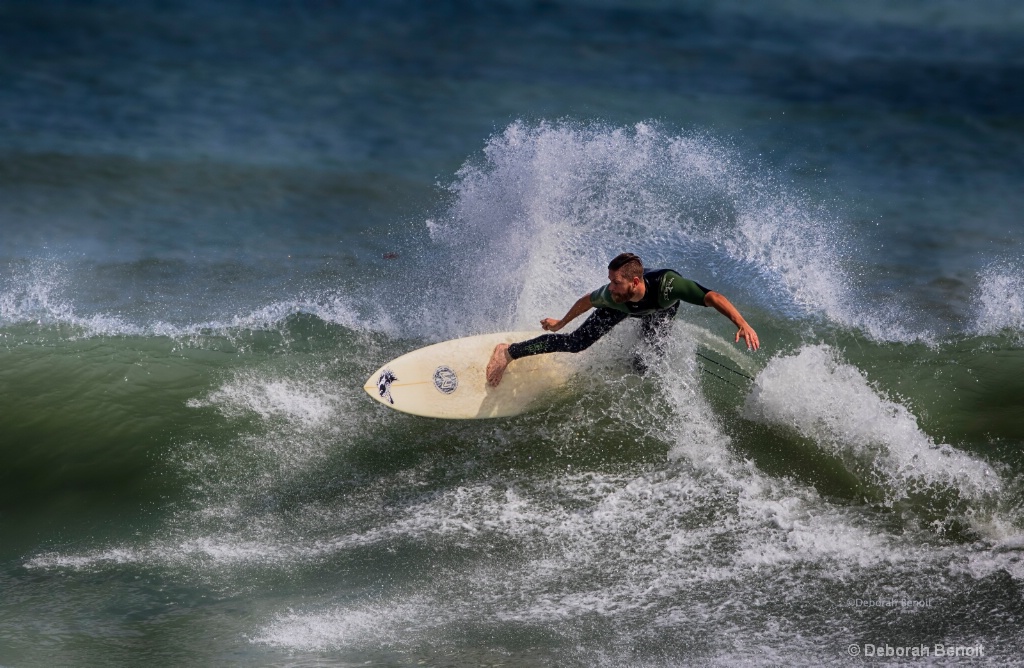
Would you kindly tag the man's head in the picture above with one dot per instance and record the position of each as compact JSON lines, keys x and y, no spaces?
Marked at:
{"x":625,"y":277}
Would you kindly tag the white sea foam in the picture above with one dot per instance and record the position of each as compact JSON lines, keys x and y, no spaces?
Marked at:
{"x":199,"y":552}
{"x":309,"y":403}
{"x":332,"y":308}
{"x":302,"y":419}
{"x":833,"y":403}
{"x":366,"y":625}
{"x":42,"y":299}
{"x":1000,"y":299}
{"x":42,"y":292}
{"x":630,"y":547}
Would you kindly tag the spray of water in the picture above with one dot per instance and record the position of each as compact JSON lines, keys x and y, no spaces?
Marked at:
{"x":833,"y":403}
{"x":535,"y":219}
{"x":1000,"y":300}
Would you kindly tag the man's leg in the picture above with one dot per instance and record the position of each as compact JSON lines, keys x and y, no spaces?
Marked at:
{"x":597,"y":325}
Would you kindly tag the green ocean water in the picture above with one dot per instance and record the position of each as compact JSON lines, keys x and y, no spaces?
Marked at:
{"x":219,"y":219}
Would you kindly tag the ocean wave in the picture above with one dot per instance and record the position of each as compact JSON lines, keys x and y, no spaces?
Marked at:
{"x":832,"y":403}
{"x":1000,"y":300}
{"x":47,"y":293}
{"x":42,"y":306}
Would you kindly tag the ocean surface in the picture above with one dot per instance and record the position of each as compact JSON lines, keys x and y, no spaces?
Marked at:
{"x":217,"y":218}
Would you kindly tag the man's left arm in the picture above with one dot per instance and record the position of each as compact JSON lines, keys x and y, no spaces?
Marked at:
{"x":724,"y":306}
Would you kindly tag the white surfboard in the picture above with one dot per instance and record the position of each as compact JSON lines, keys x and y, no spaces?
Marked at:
{"x":448,"y":379}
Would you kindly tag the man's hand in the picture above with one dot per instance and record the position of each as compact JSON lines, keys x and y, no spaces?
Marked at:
{"x":743,"y":330}
{"x":581,"y":306}
{"x":747,"y":333}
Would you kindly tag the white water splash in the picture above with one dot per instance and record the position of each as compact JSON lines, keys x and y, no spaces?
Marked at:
{"x":310,"y":404}
{"x":41,"y":295}
{"x":833,"y":404}
{"x":1000,"y":300}
{"x":535,"y":221}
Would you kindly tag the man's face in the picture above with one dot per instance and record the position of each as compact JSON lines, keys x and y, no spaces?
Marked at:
{"x":621,"y":288}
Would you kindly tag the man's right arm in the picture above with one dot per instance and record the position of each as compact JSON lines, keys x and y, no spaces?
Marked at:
{"x":581,"y":306}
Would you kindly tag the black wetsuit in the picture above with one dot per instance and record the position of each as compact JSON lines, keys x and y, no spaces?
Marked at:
{"x":664,"y":289}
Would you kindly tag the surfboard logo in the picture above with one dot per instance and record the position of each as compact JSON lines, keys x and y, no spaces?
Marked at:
{"x":445,"y":380}
{"x":384,"y":384}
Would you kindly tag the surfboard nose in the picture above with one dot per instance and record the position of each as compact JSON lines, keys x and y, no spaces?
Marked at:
{"x":378,"y":385}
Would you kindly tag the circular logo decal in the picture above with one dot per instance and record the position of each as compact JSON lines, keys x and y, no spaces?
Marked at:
{"x":445,"y":380}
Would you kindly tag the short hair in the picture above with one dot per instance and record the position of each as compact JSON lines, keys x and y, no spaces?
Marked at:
{"x":630,"y":265}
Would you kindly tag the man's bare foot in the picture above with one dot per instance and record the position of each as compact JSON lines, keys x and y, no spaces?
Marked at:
{"x":500,"y":359}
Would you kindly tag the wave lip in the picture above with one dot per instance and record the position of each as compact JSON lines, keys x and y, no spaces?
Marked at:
{"x":832,"y":403}
{"x":36,"y":297}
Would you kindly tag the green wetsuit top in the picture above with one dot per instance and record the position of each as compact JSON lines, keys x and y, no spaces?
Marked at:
{"x":665,"y":288}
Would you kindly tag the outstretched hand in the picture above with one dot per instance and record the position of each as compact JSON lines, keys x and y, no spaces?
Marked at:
{"x":747,"y":333}
{"x":550,"y":325}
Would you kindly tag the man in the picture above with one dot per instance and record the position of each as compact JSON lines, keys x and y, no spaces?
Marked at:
{"x":652,"y":296}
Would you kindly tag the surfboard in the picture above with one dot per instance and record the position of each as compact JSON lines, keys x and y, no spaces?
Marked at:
{"x":448,"y":379}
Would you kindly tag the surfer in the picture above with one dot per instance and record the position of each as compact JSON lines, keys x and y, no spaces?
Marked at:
{"x":652,"y":296}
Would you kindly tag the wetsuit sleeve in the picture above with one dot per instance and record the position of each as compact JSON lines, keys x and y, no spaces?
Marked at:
{"x":676,"y":288}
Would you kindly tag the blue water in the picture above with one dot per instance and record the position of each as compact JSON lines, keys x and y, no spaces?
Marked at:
{"x":218,"y":218}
